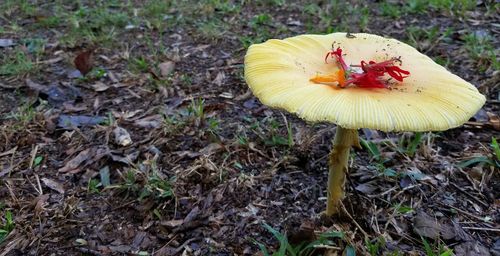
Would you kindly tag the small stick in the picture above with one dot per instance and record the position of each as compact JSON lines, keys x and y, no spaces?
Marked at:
{"x":226,"y":67}
{"x":324,"y":246}
{"x":125,"y":205}
{"x":33,"y":155}
{"x":483,"y":229}
{"x":471,"y":196}
{"x":89,"y":251}
{"x":466,"y":213}
{"x":40,"y":190}
{"x":353,"y":220}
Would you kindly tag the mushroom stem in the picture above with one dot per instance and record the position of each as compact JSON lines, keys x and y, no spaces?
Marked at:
{"x":337,"y":164}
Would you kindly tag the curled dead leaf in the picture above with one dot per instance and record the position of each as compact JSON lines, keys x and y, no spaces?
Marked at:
{"x":84,"y":61}
{"x":428,"y":226}
{"x":54,"y":185}
{"x":76,"y":161}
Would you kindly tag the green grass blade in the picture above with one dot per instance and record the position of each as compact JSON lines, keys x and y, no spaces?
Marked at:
{"x":428,"y":248}
{"x":284,"y":245}
{"x":475,"y":160}
{"x":372,"y":149}
{"x":412,"y":147}
{"x":495,"y":147}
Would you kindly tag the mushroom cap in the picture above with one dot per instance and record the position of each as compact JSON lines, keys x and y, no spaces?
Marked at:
{"x":430,"y":99}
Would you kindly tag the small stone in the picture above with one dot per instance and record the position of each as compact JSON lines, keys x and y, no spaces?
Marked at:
{"x":122,"y":137}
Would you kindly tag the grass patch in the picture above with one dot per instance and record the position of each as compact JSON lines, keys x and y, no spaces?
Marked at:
{"x":139,"y":64}
{"x":259,"y":25}
{"x":436,"y":249}
{"x":98,"y":25}
{"x":302,"y":249}
{"x":23,"y":8}
{"x":143,"y":181}
{"x":149,"y":184}
{"x":390,"y":10}
{"x":482,"y":51}
{"x":212,"y":30}
{"x":492,"y":160}
{"x":16,"y":63}
{"x":270,"y":132}
{"x":24,"y":114}
{"x":7,"y":225}
{"x":450,"y":6}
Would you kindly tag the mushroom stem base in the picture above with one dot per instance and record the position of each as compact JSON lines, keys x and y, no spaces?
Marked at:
{"x":338,"y":166}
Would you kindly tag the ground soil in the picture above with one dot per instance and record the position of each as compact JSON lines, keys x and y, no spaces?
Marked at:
{"x":204,"y":182}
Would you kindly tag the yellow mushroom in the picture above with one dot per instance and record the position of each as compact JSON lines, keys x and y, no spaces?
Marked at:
{"x":292,"y":75}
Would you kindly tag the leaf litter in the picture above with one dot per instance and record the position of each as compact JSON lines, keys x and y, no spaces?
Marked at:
{"x":204,"y":170}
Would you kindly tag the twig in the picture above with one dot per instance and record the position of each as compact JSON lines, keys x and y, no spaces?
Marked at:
{"x":11,"y":192}
{"x":466,"y":213}
{"x":10,"y":86}
{"x":170,"y":241}
{"x":33,"y":155}
{"x":239,"y":65}
{"x":383,"y":193}
{"x":50,"y":61}
{"x":38,"y":186}
{"x":471,"y":196}
{"x":9,"y":169}
{"x":404,"y":236}
{"x":40,"y":190}
{"x":483,"y":229}
{"x":353,"y":220}
{"x":12,"y":244}
{"x":90,"y":251}
{"x":404,"y":189}
{"x":124,"y":205}
{"x":324,"y":246}
{"x":9,"y":152}
{"x":179,"y":249}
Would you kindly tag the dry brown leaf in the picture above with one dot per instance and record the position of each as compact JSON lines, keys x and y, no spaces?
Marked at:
{"x":172,"y":223}
{"x":219,"y":79}
{"x":100,"y":87}
{"x":35,"y":86}
{"x":211,"y":148}
{"x":471,"y":248}
{"x":39,"y":203}
{"x":426,"y":226}
{"x":76,"y":161}
{"x":52,"y":184}
{"x":366,"y":188}
{"x":84,"y":61}
{"x":166,"y":68}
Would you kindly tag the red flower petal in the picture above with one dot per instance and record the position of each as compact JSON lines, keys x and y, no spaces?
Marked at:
{"x":372,"y":71}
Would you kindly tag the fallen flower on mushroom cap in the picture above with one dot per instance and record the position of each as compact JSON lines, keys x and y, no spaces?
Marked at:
{"x":371,"y":75}
{"x":365,"y":81}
